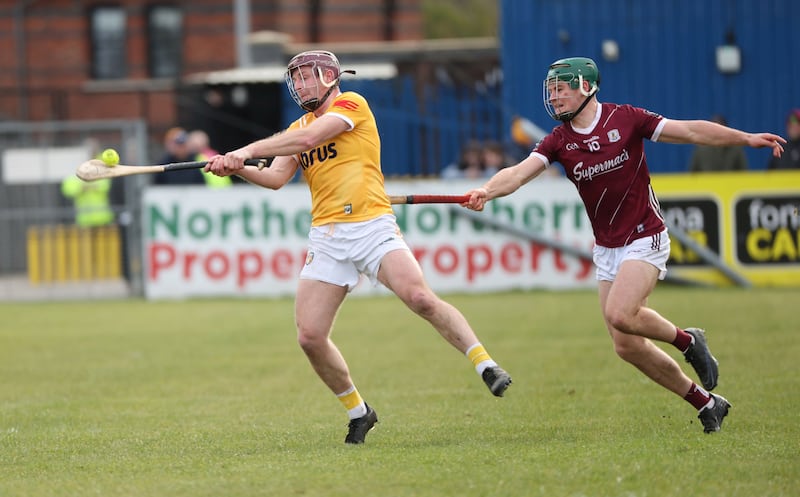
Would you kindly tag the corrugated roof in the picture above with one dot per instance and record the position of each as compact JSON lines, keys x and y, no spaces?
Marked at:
{"x":274,"y":74}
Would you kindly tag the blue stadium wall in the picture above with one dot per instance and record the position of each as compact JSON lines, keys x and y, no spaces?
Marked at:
{"x":666,"y":62}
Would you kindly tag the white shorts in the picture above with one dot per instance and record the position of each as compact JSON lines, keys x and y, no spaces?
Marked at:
{"x":338,"y":253}
{"x":652,"y":249}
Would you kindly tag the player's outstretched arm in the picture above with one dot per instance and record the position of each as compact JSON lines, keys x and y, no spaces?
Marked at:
{"x":505,"y":182}
{"x":713,"y":134}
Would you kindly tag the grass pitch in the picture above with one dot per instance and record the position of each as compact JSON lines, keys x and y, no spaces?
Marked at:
{"x":215,"y":398}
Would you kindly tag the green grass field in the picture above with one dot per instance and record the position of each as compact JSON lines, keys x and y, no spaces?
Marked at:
{"x":215,"y":398}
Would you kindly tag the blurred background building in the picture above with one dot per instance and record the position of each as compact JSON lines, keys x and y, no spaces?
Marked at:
{"x":217,"y":65}
{"x":211,"y":64}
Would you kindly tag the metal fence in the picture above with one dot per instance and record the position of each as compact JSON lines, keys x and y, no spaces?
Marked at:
{"x":42,"y":253}
{"x":423,"y":130}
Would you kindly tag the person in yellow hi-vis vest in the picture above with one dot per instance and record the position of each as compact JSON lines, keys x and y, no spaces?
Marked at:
{"x":200,"y":144}
{"x":91,"y":200}
{"x":95,"y":247}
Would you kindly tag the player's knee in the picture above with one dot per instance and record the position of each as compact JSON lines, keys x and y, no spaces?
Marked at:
{"x":619,"y":320}
{"x":628,"y":347}
{"x":309,"y":340}
{"x":421,"y":301}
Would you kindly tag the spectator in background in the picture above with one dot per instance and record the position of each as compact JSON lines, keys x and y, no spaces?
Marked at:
{"x":91,"y":198}
{"x":494,"y":158}
{"x":707,"y":158}
{"x":177,"y":149}
{"x":91,"y":201}
{"x":469,"y":165}
{"x":200,"y":145}
{"x":791,"y":156}
{"x":94,"y":209}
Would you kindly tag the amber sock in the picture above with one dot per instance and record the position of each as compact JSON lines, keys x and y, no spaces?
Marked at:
{"x":352,"y":401}
{"x":479,"y":357}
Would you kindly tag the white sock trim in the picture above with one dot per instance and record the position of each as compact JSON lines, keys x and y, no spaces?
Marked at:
{"x":483,"y":365}
{"x":358,"y":411}
{"x":472,"y":347}
{"x":347,"y":392}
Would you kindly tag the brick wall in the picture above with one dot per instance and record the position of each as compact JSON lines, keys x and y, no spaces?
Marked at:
{"x":50,"y":77}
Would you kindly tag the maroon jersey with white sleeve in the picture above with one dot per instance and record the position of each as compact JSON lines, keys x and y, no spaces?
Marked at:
{"x":606,"y":162}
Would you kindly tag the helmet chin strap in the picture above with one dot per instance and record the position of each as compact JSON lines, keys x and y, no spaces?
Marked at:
{"x":569,"y":116}
{"x":313,"y":104}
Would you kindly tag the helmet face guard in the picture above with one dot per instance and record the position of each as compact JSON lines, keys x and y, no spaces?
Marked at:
{"x":573,"y":71}
{"x":320,"y":62}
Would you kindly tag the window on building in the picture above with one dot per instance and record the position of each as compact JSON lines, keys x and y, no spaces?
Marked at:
{"x":314,"y":15}
{"x":164,"y":41}
{"x":389,"y":11}
{"x":108,"y":35}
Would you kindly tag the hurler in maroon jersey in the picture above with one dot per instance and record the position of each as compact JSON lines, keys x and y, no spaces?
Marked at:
{"x":601,"y":148}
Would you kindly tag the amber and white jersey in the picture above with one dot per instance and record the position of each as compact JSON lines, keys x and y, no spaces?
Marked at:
{"x":344,"y":174}
{"x":607,"y":164}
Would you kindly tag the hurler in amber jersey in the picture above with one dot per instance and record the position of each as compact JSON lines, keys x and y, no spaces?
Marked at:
{"x":354,"y":232}
{"x":601,"y":148}
{"x":344,"y":173}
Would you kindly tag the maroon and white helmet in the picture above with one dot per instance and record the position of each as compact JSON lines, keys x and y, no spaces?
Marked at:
{"x":326,"y":70}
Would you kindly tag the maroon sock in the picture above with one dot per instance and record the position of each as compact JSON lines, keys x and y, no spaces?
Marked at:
{"x":682,"y":340}
{"x":697,"y":397}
